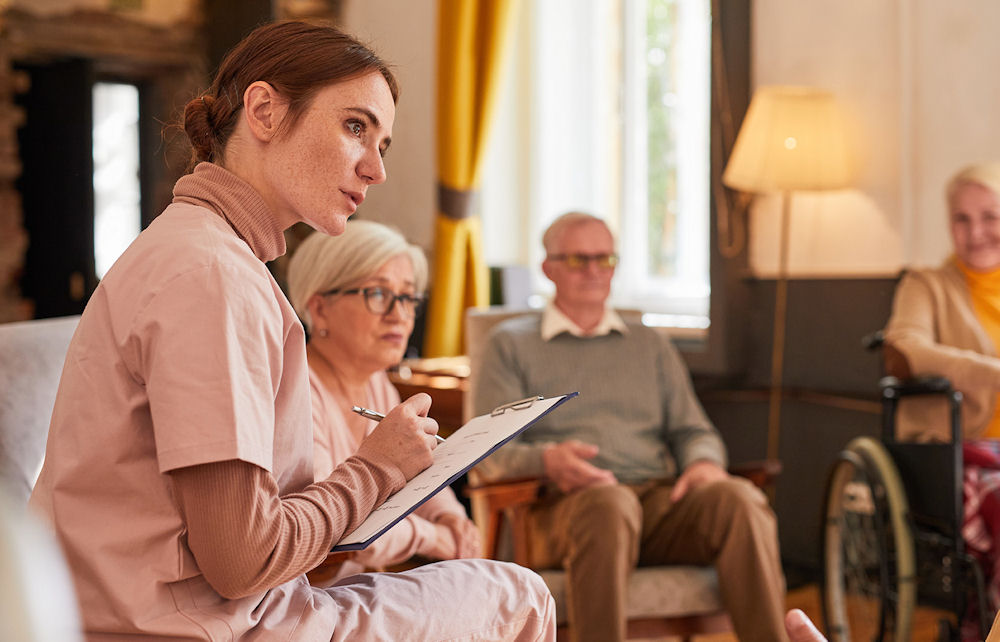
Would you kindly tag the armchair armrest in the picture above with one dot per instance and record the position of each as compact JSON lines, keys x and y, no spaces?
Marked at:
{"x":507,"y":493}
{"x":489,"y":503}
{"x":762,"y":473}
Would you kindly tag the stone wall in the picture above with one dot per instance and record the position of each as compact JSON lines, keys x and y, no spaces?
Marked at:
{"x":166,"y":59}
{"x":161,"y":44}
{"x":13,"y":240}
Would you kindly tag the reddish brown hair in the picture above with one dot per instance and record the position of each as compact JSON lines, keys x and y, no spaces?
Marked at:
{"x":296,"y":58}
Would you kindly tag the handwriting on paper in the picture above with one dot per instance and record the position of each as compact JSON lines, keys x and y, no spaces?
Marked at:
{"x":466,"y":447}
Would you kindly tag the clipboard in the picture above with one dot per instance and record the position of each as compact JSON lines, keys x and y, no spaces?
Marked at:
{"x":465,"y":448}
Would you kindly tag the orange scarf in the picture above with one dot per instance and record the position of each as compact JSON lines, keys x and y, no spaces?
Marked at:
{"x":984,"y":288}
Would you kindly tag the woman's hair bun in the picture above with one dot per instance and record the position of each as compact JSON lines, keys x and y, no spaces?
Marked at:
{"x":199,"y":124}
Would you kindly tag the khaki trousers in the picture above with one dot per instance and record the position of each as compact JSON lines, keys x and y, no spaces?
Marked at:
{"x":600,"y":534}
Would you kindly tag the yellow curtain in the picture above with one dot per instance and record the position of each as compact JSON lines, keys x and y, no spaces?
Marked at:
{"x":472,"y":36}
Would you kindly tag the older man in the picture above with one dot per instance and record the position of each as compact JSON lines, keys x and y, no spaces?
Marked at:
{"x":637,"y":471}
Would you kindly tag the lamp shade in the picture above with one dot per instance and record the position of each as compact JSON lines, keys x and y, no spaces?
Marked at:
{"x":793,"y":138}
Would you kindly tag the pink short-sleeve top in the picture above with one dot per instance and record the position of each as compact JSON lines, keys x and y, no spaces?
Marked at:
{"x":187,"y":353}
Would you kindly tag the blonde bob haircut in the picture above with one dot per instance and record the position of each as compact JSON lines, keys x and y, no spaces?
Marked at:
{"x":985,"y":174}
{"x":322,"y":263}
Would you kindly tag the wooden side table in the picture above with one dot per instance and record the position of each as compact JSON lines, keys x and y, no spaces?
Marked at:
{"x":445,"y":380}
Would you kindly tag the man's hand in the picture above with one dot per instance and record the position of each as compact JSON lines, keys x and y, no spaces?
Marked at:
{"x":800,"y":628}
{"x":405,"y":436}
{"x":566,"y":465}
{"x":697,"y":474}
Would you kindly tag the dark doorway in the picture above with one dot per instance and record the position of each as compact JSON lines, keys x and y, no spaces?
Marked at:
{"x":56,"y":186}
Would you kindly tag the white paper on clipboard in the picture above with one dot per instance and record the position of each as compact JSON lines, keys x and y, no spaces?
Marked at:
{"x":465,"y":448}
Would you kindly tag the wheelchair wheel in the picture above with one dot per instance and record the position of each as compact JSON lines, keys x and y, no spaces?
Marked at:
{"x":869,"y":589}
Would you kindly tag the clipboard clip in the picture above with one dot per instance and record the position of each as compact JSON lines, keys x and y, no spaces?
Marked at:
{"x":520,"y":404}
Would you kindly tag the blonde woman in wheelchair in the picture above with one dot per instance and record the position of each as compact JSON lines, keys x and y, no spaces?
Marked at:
{"x":946,"y":322}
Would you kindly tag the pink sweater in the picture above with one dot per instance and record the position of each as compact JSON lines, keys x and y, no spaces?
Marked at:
{"x":333,"y":443}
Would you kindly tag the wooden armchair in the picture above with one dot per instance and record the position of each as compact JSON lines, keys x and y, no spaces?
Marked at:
{"x":662,"y":600}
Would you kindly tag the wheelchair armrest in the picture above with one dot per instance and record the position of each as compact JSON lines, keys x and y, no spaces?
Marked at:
{"x":894,"y":389}
{"x":762,"y":473}
{"x":924,"y":385}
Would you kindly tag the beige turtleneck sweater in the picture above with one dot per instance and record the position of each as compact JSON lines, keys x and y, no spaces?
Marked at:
{"x":935,"y":326}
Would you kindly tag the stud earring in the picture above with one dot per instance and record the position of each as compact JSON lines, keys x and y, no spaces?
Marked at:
{"x":324,"y":333}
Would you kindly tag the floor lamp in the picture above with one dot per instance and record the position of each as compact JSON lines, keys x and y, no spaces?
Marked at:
{"x":792,"y":139}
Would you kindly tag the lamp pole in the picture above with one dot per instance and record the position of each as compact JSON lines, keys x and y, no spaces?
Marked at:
{"x":791,"y":139}
{"x":778,"y":338}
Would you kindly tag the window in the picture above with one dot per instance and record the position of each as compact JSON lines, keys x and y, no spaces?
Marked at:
{"x":607,"y":110}
{"x":117,"y":214}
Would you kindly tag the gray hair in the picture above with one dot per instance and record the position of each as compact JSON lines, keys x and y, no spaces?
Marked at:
{"x":323,"y":263}
{"x":985,"y":174}
{"x":567,"y":221}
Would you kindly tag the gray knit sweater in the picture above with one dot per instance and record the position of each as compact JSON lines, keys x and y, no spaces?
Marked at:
{"x":636,"y":402}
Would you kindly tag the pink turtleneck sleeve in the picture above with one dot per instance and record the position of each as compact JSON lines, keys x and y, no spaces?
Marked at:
{"x":247,"y":539}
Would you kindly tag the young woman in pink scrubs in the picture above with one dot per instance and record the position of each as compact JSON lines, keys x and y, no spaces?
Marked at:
{"x":178,"y":472}
{"x":358,"y":295}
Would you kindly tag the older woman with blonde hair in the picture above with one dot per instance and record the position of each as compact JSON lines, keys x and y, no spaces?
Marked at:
{"x":946,"y":321}
{"x":358,"y":295}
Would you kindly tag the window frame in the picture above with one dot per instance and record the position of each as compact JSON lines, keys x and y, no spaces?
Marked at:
{"x":717,"y":350}
{"x":722,"y":351}
{"x":688,"y":304}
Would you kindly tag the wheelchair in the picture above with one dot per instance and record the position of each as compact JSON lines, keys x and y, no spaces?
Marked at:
{"x":891,"y":535}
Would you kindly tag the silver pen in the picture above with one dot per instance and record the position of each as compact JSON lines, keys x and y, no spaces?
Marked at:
{"x":378,"y":416}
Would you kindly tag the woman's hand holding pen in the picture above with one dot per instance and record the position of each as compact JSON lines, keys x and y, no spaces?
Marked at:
{"x":405,"y":436}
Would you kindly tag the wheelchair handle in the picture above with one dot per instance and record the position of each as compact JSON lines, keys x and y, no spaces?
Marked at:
{"x":873,"y":341}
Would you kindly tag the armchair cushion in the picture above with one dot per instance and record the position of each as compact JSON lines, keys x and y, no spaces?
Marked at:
{"x":655,"y":592}
{"x":676,"y":599}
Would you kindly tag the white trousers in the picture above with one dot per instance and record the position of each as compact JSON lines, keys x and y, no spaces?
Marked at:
{"x":454,"y":600}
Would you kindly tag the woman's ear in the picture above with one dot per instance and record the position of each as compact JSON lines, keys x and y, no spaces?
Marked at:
{"x":264,"y":110}
{"x":315,"y":307}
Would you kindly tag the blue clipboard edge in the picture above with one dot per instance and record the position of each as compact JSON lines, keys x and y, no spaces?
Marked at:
{"x":360,"y":546}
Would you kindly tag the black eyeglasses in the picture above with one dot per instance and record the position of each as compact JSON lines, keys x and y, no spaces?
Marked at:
{"x":381,"y":300}
{"x":581,"y":261}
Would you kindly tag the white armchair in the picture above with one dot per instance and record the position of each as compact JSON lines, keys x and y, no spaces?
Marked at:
{"x":31,"y":361}
{"x":37,"y":601}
